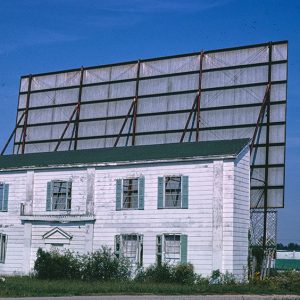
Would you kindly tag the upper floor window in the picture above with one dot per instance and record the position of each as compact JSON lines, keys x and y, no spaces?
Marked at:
{"x":3,"y":244}
{"x":130,"y":246}
{"x":3,"y":196}
{"x":130,"y":193}
{"x":172,"y":192}
{"x":59,"y":195}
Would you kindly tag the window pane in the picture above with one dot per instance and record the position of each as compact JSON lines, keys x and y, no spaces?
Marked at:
{"x":130,"y":247}
{"x":173,"y":192}
{"x":172,"y":248}
{"x":130,"y":193}
{"x":61,"y":195}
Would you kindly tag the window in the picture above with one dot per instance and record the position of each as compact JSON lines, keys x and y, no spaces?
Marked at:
{"x":171,"y":248}
{"x":3,"y":196}
{"x":130,"y":193}
{"x":59,"y":194}
{"x":130,"y":246}
{"x":3,"y":244}
{"x":172,"y":192}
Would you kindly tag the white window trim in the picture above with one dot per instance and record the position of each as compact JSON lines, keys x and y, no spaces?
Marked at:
{"x":65,"y":209}
{"x":122,"y":194}
{"x":163,"y":252}
{"x":164,"y":191}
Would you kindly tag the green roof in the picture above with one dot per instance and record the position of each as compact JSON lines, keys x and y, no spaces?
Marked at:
{"x":124,"y":154}
{"x":287,"y":264}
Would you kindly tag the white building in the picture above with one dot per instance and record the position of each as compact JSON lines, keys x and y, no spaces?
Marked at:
{"x":185,"y":202}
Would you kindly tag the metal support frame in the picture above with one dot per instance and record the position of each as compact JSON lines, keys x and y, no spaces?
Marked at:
{"x":267,"y":148}
{"x":12,"y":134}
{"x":66,"y":128}
{"x":76,"y":125}
{"x":196,"y":104}
{"x":124,"y":123}
{"x":260,"y":116}
{"x":136,"y":98}
{"x":24,"y":131}
{"x":199,"y":96}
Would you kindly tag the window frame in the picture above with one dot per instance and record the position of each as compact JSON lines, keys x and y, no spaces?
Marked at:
{"x":68,"y":195}
{"x":119,"y":247}
{"x":164,"y":191}
{"x":3,"y":247}
{"x":3,"y":186}
{"x":137,"y":194}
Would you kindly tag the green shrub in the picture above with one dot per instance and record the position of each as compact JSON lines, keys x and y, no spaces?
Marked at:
{"x":165,"y":273}
{"x":184,"y":274}
{"x":54,"y":265}
{"x":101,"y":265}
{"x":104,"y":265}
{"x":288,"y":281}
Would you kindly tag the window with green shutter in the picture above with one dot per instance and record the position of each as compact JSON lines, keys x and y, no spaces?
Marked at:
{"x":130,"y":193}
{"x":59,"y":195}
{"x":171,"y":248}
{"x":3,"y":246}
{"x":4,"y":190}
{"x":173,"y":192}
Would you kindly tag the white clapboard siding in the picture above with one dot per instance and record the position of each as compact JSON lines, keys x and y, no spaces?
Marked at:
{"x":216,"y":221}
{"x":10,"y":223}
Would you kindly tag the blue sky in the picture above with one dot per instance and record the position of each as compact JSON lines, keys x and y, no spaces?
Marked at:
{"x":41,"y":36}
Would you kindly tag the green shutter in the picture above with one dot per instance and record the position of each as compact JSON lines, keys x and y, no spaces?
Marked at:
{"x":117,"y":245}
{"x":185,"y":191}
{"x":160,"y":193}
{"x":69,"y":186}
{"x":118,"y":194}
{"x":49,"y":196}
{"x":5,"y":197}
{"x":1,"y":196}
{"x":183,"y":248}
{"x":159,"y":245}
{"x":141,"y":192}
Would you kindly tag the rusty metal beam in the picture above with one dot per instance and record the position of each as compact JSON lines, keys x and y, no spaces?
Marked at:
{"x":24,"y":133}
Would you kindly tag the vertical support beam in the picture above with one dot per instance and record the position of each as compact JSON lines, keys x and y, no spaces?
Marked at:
{"x":267,"y":149}
{"x":199,"y":96}
{"x":136,"y":98}
{"x":78,"y":108}
{"x":24,"y":133}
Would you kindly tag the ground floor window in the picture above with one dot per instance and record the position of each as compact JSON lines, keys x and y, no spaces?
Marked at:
{"x":171,"y":248}
{"x":130,"y":246}
{"x":3,"y":244}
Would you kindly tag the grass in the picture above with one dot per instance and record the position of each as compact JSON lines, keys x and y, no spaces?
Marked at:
{"x":27,"y":286}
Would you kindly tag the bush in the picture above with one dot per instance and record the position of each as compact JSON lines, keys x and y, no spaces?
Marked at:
{"x":100,"y":265}
{"x":165,"y":273}
{"x":288,"y":281}
{"x":53,"y":265}
{"x":104,"y":265}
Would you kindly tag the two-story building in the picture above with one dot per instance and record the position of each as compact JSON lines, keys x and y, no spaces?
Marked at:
{"x":185,"y":202}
